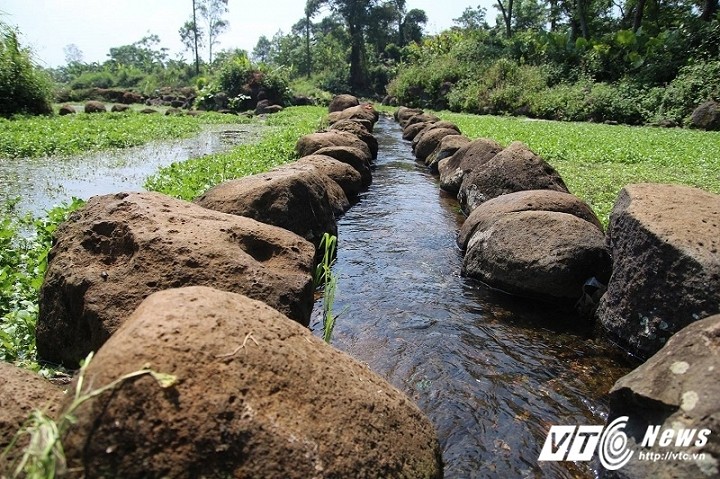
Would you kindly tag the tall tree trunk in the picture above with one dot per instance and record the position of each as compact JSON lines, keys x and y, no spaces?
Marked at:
{"x":308,"y":55}
{"x":710,"y":8}
{"x":553,"y":15}
{"x":581,"y":7}
{"x":507,"y":16}
{"x":195,"y":32}
{"x":357,"y":76}
{"x":639,"y":11}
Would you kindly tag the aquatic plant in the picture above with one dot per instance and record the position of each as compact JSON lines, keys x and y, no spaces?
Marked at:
{"x":325,"y":277}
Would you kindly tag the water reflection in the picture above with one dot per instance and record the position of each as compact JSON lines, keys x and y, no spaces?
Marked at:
{"x":484,"y":367}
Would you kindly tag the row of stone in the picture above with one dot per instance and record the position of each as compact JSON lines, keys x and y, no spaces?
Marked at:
{"x":218,"y":288}
{"x":665,"y":245}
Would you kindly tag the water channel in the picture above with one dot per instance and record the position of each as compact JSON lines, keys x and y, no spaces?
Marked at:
{"x":493,"y":373}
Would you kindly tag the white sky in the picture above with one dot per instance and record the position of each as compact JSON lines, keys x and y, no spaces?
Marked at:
{"x":95,"y":26}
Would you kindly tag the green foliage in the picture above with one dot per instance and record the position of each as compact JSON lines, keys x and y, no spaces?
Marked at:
{"x":693,"y":85}
{"x":24,"y":246}
{"x":72,"y":134}
{"x":44,"y":456}
{"x":596,"y":161}
{"x":191,"y":178}
{"x":325,"y":277}
{"x":24,"y":88}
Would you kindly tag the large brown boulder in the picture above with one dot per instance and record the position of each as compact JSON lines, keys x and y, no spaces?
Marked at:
{"x":118,"y":249}
{"x":706,"y":116}
{"x":95,"y":107}
{"x":341,"y":173}
{"x":341,"y":102}
{"x":676,"y":394}
{"x":289,"y":198}
{"x":430,"y":140}
{"x":309,"y":144}
{"x":665,"y":243}
{"x":544,"y":255}
{"x":447,"y":147}
{"x":357,"y":129}
{"x":255,"y":395}
{"x":473,"y":155}
{"x":130,"y":97}
{"x":433,"y":126}
{"x":21,"y":392}
{"x":66,"y":110}
{"x":411,"y":131}
{"x":403,"y":113}
{"x":420,"y":118}
{"x":339,"y":201}
{"x":516,"y":168}
{"x":532,"y":200}
{"x":364,"y":112}
{"x":353,"y":157}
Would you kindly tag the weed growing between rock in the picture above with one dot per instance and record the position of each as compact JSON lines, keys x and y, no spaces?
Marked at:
{"x":326,"y":278}
{"x":44,"y":456}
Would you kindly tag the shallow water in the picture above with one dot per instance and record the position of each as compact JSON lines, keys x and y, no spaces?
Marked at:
{"x":42,"y":183}
{"x":491,"y":372}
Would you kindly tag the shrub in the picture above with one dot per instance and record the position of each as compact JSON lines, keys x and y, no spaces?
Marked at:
{"x":24,"y":88}
{"x":694,"y":84}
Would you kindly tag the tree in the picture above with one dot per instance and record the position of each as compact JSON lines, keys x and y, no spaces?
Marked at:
{"x":143,"y":54}
{"x":212,"y":11}
{"x":73,"y":54}
{"x":472,"y":18}
{"x":411,"y":29}
{"x":355,"y":13}
{"x":262,"y":52}
{"x":506,"y":9}
{"x":192,"y":38}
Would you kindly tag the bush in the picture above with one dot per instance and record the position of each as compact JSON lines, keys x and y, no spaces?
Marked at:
{"x":100,"y":79}
{"x":24,"y":88}
{"x":694,"y":84}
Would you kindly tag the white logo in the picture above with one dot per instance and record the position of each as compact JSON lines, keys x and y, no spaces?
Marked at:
{"x":579,"y":443}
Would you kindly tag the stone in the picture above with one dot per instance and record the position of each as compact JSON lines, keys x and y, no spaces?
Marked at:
{"x":516,"y":168}
{"x":353,"y":157}
{"x":95,"y":107}
{"x":309,"y":144}
{"x":357,"y":129}
{"x":453,"y":169}
{"x":706,"y":116}
{"x":542,"y":255}
{"x":337,"y":198}
{"x":532,"y":200}
{"x":119,"y":108}
{"x":411,"y":131}
{"x":173,"y":111}
{"x":302,"y":100}
{"x":430,"y":140}
{"x":403,"y":113}
{"x":67,"y":110}
{"x":675,"y":390}
{"x":445,"y":149}
{"x":420,"y":118}
{"x":365,"y":111}
{"x":342,"y":102}
{"x":117,"y":249}
{"x":432,"y":126}
{"x":665,"y":243}
{"x":21,"y":392}
{"x":341,"y":173}
{"x":255,"y":395}
{"x":149,"y":111}
{"x":294,"y":200}
{"x":130,"y":97}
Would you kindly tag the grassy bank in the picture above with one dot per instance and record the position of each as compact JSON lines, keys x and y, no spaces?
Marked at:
{"x":189,"y":179}
{"x":597,"y":160}
{"x":72,"y":134}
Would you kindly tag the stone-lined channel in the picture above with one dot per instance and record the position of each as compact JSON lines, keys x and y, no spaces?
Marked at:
{"x":492,"y":373}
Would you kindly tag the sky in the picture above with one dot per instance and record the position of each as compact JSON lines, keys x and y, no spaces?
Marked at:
{"x":47,"y":26}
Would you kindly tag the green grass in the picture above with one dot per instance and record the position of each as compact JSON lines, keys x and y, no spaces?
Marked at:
{"x":597,"y":160}
{"x":32,"y":137}
{"x":189,"y":179}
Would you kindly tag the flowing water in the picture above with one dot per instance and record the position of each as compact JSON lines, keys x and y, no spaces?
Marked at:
{"x":42,"y":183}
{"x":491,"y":372}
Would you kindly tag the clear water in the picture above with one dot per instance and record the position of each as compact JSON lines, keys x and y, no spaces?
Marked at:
{"x":42,"y":183}
{"x":491,"y":372}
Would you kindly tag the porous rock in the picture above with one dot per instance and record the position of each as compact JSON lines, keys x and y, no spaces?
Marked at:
{"x":544,"y":255}
{"x":339,"y":201}
{"x":119,"y":108}
{"x":516,"y":168}
{"x":341,"y":173}
{"x":403,"y":113}
{"x":532,"y":200}
{"x":342,"y":102}
{"x":675,"y":390}
{"x":411,"y":131}
{"x":665,"y":243}
{"x":433,"y":126}
{"x":118,"y":249}
{"x":353,"y":157}
{"x":95,"y":107}
{"x":447,"y":147}
{"x":357,"y":129}
{"x":473,"y":155}
{"x":309,"y":144}
{"x":292,"y":199}
{"x":420,"y":118}
{"x":255,"y":395}
{"x":21,"y":392}
{"x":66,"y":110}
{"x":430,"y":140}
{"x":706,"y":116}
{"x":364,"y":111}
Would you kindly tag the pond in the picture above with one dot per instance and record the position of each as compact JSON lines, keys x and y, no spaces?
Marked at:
{"x":42,"y":183}
{"x":492,"y":373}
